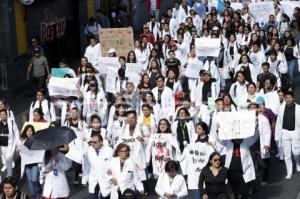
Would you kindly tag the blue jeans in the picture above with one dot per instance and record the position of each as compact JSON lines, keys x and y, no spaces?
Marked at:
{"x":196,"y":193}
{"x":32,"y":174}
{"x":291,"y":66}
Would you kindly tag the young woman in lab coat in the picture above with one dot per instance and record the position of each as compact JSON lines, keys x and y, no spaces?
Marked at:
{"x":171,"y":183}
{"x":53,"y":170}
{"x":115,"y":125}
{"x":95,"y":103}
{"x":122,"y":173}
{"x":31,"y":170}
{"x":183,"y":128}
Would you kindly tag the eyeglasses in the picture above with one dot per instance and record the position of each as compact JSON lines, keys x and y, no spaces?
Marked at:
{"x":216,"y":160}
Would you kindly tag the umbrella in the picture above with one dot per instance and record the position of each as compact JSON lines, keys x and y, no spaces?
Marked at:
{"x":50,"y":138}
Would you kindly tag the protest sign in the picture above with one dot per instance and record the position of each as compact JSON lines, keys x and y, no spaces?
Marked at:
{"x":196,"y":158}
{"x":134,"y":78}
{"x":110,"y":81}
{"x":261,"y":11}
{"x":134,"y":67}
{"x":207,"y":46}
{"x":236,"y":6}
{"x":37,"y":125}
{"x":288,"y":7}
{"x":236,"y":125}
{"x":63,"y":87}
{"x":59,"y":72}
{"x":161,"y":152}
{"x":192,"y":70}
{"x":31,"y":156}
{"x":76,"y":149}
{"x":105,"y":62}
{"x":121,"y":39}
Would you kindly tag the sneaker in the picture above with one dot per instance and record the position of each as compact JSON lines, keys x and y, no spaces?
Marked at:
{"x":263,"y":184}
{"x":3,"y":168}
{"x":298,"y":168}
{"x":288,"y":176}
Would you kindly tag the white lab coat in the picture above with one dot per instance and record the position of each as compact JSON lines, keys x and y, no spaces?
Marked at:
{"x":182,"y":15}
{"x":95,"y":169}
{"x":244,"y":101}
{"x":177,"y":187}
{"x":253,"y":71}
{"x":167,"y":102}
{"x":49,"y":115}
{"x":115,"y":130}
{"x":156,"y":29}
{"x":279,"y":123}
{"x":101,"y":107}
{"x":127,"y":178}
{"x":211,"y":66}
{"x":264,"y":129}
{"x":238,"y":90}
{"x":247,"y":163}
{"x":154,"y":123}
{"x":57,"y":186}
{"x":196,"y":93}
{"x":257,"y":59}
{"x":271,"y":100}
{"x":93,"y":54}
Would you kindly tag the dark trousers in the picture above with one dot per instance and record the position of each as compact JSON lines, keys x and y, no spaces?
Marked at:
{"x":78,"y":169}
{"x":95,"y":195}
{"x":238,"y":185}
{"x":38,"y":83}
{"x":261,"y":166}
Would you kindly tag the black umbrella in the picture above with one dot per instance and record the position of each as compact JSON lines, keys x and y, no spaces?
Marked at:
{"x":50,"y":138}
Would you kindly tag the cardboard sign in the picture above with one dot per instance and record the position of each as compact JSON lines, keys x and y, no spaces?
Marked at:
{"x":236,"y":125}
{"x":121,"y":39}
{"x":63,"y":87}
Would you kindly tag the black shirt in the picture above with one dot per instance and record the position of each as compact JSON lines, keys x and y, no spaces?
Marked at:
{"x":205,"y":90}
{"x":289,"y":54}
{"x":159,"y":96}
{"x":215,"y":186}
{"x":170,"y":84}
{"x":262,"y":77}
{"x":173,"y":65}
{"x":4,"y":133}
{"x":289,"y":115}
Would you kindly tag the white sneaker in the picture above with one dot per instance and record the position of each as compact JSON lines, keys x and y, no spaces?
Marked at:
{"x":3,"y":168}
{"x":288,"y":176}
{"x":298,"y":168}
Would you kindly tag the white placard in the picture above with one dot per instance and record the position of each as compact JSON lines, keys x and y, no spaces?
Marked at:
{"x":32,"y":156}
{"x":134,"y":77}
{"x":134,"y":67}
{"x":288,"y":7}
{"x":236,"y":6}
{"x":192,"y":70}
{"x":208,"y":46}
{"x":63,"y":87}
{"x":261,"y":11}
{"x":76,"y":149}
{"x":110,"y":82}
{"x":236,"y":125}
{"x":105,"y":62}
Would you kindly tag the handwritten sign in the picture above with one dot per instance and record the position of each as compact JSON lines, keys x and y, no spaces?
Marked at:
{"x":134,"y":67}
{"x":236,"y":125}
{"x":37,"y":125}
{"x":121,"y":39}
{"x":105,"y":62}
{"x":207,"y":46}
{"x":59,"y":72}
{"x":261,"y":11}
{"x":63,"y":87}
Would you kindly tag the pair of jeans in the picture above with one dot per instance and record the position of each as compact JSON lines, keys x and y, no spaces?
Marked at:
{"x":195,"y":193}
{"x":32,"y":174}
{"x":96,"y":194}
{"x":291,"y":66}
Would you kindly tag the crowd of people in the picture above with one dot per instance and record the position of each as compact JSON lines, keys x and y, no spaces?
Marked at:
{"x":139,"y":135}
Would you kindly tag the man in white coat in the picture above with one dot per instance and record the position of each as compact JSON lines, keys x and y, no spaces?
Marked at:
{"x":287,"y":132}
{"x":95,"y":166}
{"x":44,"y":104}
{"x":9,"y":135}
{"x":93,"y":52}
{"x":164,"y":97}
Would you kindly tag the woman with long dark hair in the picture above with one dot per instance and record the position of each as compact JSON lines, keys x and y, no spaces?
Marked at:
{"x":214,"y":177}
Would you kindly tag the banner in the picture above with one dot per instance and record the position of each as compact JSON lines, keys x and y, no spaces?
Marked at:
{"x":261,"y":11}
{"x":63,"y":87}
{"x":37,"y":125}
{"x":105,"y":62}
{"x":121,"y":39}
{"x":207,"y":47}
{"x":236,"y":6}
{"x":59,"y":72}
{"x":32,"y":156}
{"x":192,"y":70}
{"x":288,"y":7}
{"x":134,"y":67}
{"x":236,"y":125}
